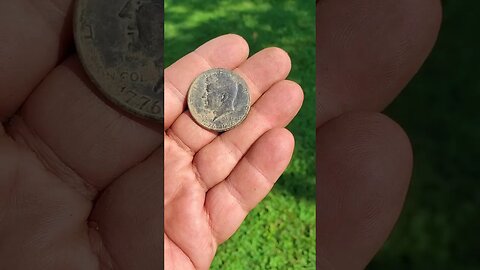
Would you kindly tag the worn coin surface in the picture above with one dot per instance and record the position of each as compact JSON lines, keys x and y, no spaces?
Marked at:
{"x":120,"y":44}
{"x":219,"y":99}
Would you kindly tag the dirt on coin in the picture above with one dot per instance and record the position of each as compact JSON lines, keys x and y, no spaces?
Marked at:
{"x":120,"y":44}
{"x":219,"y":100}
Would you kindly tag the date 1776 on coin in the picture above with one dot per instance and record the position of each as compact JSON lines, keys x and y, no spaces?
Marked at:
{"x":219,"y":100}
{"x":119,"y":43}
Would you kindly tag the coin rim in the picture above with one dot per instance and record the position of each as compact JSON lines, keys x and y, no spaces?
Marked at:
{"x":190,"y":105}
{"x":116,"y":101}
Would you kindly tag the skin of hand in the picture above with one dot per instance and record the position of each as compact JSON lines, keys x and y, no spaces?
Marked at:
{"x":367,"y":51}
{"x":80,"y":180}
{"x":213,"y":180}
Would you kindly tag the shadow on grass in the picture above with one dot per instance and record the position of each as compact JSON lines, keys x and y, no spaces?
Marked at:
{"x":289,"y":25}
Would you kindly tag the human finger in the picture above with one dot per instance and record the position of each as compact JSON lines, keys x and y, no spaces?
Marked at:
{"x":364,"y":164}
{"x":368,"y":50}
{"x":229,"y":202}
{"x":34,"y":38}
{"x":275,"y":109}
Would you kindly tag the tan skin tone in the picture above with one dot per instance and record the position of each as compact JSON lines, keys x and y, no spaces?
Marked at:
{"x":205,"y":204}
{"x":79,"y":180}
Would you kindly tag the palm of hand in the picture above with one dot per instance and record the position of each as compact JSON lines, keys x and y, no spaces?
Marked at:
{"x":213,"y":180}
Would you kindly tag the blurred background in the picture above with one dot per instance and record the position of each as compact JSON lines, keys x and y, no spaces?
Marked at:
{"x":280,"y":232}
{"x":440,"y":226}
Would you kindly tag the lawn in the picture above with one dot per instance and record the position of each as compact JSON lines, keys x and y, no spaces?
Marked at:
{"x":440,"y":226}
{"x":280,"y":232}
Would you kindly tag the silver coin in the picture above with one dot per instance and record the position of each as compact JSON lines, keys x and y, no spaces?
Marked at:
{"x":219,"y":100}
{"x":119,"y":43}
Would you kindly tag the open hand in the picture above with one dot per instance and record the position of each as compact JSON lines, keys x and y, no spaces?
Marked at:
{"x":213,"y":180}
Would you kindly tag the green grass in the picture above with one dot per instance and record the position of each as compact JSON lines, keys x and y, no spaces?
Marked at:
{"x":280,"y":232}
{"x":440,"y":226}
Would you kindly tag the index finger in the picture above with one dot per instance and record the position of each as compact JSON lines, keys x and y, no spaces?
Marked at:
{"x":227,"y":51}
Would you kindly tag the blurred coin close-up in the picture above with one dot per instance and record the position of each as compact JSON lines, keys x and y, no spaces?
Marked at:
{"x":119,"y":44}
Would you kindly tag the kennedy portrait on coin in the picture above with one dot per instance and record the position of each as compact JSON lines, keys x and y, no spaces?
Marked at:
{"x":218,"y":99}
{"x":220,"y":95}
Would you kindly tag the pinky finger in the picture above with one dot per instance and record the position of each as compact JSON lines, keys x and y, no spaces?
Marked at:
{"x":229,"y":202}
